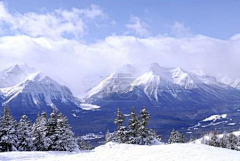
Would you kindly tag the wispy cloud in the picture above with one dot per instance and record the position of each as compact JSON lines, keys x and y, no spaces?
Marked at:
{"x":137,"y":26}
{"x":179,"y":29}
{"x":53,"y":24}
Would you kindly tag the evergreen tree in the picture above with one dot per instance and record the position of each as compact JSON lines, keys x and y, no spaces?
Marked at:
{"x":8,"y":132}
{"x":66,"y":141}
{"x":214,"y":140}
{"x":182,"y":139}
{"x":122,"y":132}
{"x":51,"y":130}
{"x":224,"y":140}
{"x":203,"y":140}
{"x":191,"y":138}
{"x":39,"y":131}
{"x":120,"y":119}
{"x":133,"y":127}
{"x":107,"y":136}
{"x":84,"y":145}
{"x":24,"y":128}
{"x":146,"y":136}
{"x":232,"y":141}
{"x":176,"y":137}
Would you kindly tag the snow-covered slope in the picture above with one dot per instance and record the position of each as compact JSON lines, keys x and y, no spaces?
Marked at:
{"x":13,"y":75}
{"x":212,"y":121}
{"x":116,"y":82}
{"x":124,"y":152}
{"x":39,"y":90}
{"x":159,"y":82}
{"x":206,"y":137}
{"x":235,"y":84}
{"x":28,"y":91}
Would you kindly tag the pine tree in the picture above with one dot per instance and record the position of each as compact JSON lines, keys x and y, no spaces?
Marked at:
{"x":120,"y":119}
{"x":191,"y":138}
{"x":232,"y":141}
{"x":8,"y":132}
{"x":66,"y":140}
{"x":214,"y":140}
{"x":51,"y":130}
{"x":224,"y":140}
{"x":39,"y":131}
{"x":84,"y":145}
{"x":25,"y":142}
{"x":107,"y":136}
{"x":182,"y":138}
{"x":122,"y":132}
{"x":146,"y":136}
{"x":176,"y":137}
{"x":133,"y":127}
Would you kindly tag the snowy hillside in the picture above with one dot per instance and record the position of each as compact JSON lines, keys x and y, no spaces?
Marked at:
{"x":160,"y":84}
{"x":13,"y":75}
{"x":40,"y":90}
{"x":124,"y":152}
{"x":116,"y":82}
{"x":28,"y":91}
{"x":235,"y":84}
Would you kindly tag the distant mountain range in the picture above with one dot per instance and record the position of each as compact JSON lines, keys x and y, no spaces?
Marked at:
{"x":175,"y":98}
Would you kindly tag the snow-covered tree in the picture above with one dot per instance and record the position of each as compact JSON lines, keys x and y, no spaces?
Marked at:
{"x":182,"y":139}
{"x":39,"y":131}
{"x":84,"y":145}
{"x":120,"y":119}
{"x":232,"y":142}
{"x":191,"y":139}
{"x":213,"y":139}
{"x":107,"y":136}
{"x":176,"y":137}
{"x":224,"y":140}
{"x":133,"y":127}
{"x":8,"y":132}
{"x":146,"y":135}
{"x":122,"y":132}
{"x":66,"y":141}
{"x":51,"y":130}
{"x":25,"y":142}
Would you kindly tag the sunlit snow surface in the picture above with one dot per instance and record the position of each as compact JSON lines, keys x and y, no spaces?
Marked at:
{"x":124,"y":152}
{"x":86,"y":106}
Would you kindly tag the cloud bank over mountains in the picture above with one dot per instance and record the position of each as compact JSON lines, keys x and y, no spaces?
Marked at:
{"x":52,"y":42}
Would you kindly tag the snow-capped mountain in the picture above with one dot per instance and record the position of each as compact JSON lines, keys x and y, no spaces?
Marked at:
{"x":174,"y":97}
{"x":116,"y":82}
{"x":235,"y":84}
{"x":161,"y":84}
{"x":32,"y":92}
{"x":39,"y":90}
{"x":15,"y":74}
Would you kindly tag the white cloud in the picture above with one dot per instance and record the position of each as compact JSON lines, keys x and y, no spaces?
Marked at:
{"x":75,"y":64}
{"x":54,"y":24}
{"x":179,"y":29}
{"x":137,"y":26}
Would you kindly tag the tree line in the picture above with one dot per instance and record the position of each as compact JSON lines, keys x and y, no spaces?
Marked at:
{"x":45,"y":134}
{"x":227,"y":140}
{"x":137,"y":132}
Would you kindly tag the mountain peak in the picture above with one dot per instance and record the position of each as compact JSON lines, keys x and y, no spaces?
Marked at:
{"x":157,"y":69}
{"x":15,"y":74}
{"x":127,"y":68}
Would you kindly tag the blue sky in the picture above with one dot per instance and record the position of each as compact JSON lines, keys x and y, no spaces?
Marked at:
{"x":214,"y":18}
{"x":77,"y":42}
